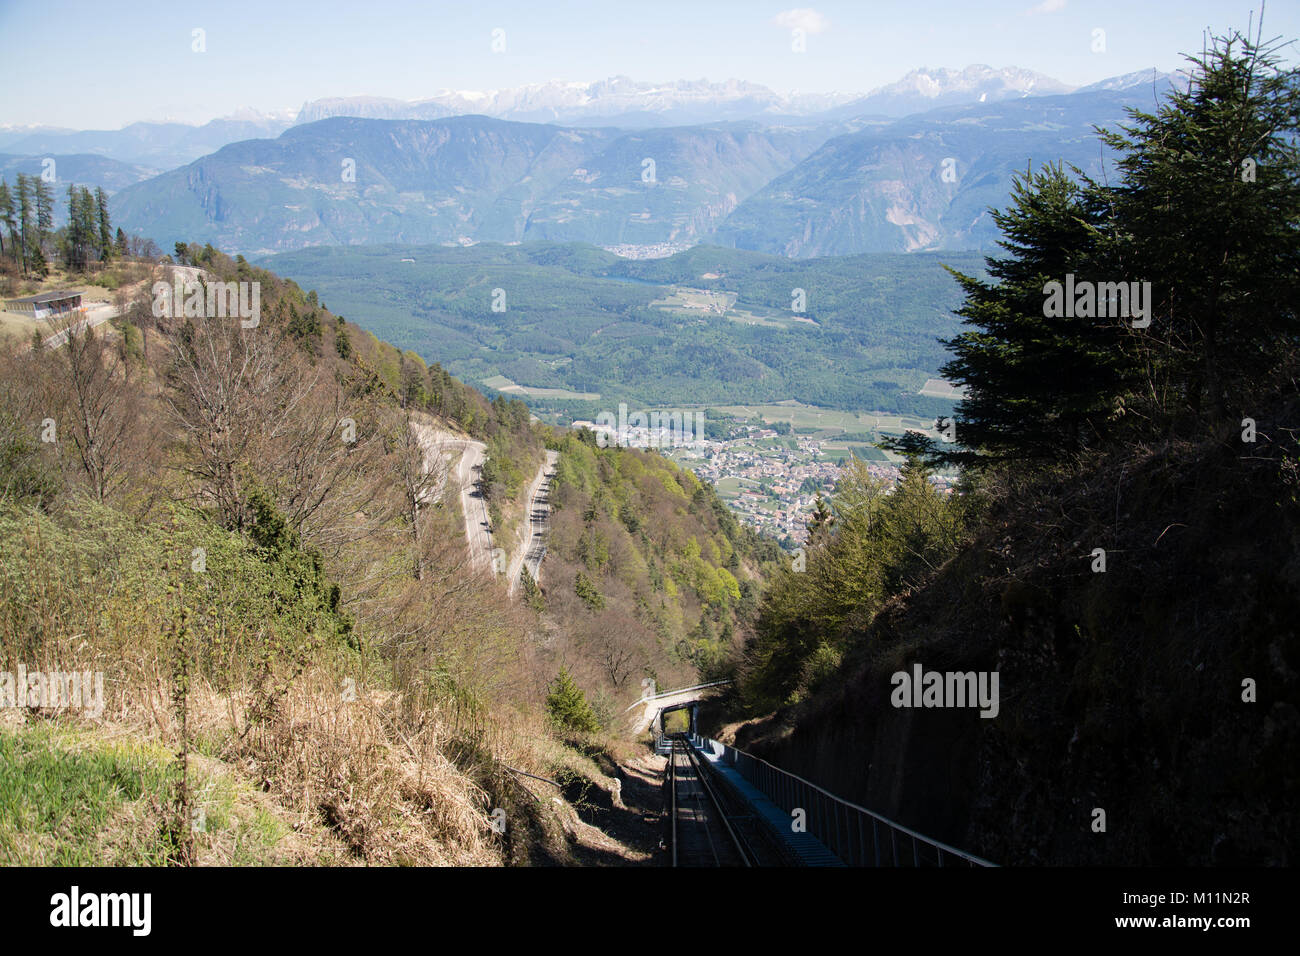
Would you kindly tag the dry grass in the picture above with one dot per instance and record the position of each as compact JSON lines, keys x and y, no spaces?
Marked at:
{"x":372,"y":771}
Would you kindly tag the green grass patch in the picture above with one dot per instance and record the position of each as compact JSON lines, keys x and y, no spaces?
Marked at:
{"x":74,"y":798}
{"x":69,"y":802}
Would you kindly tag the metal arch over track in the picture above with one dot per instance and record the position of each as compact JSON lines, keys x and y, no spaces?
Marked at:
{"x":653,"y":705}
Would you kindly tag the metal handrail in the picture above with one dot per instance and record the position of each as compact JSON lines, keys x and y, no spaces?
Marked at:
{"x":838,"y":823}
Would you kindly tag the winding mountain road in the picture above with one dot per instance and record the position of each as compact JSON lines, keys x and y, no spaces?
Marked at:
{"x":533,"y":548}
{"x":468,"y":474}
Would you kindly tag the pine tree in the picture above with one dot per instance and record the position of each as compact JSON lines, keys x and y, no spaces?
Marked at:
{"x":342,"y":341}
{"x":589,"y":593}
{"x":82,"y":238}
{"x":26,"y":224}
{"x":567,"y":705}
{"x":821,"y":520}
{"x":105,"y":233}
{"x":77,"y":239}
{"x":1037,"y":386}
{"x":70,"y":236}
{"x":1204,"y":211}
{"x":43,"y":199}
{"x":532,"y":593}
{"x":36,"y":263}
{"x":8,"y":225}
{"x":1207,"y":210}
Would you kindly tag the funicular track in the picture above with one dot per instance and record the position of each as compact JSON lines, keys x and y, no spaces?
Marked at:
{"x":709,"y":825}
{"x":728,"y":808}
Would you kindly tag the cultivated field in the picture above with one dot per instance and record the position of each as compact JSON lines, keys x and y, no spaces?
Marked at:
{"x":503,"y":384}
{"x":830,"y":421}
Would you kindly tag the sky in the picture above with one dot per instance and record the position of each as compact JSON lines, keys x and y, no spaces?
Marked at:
{"x":101,"y":65}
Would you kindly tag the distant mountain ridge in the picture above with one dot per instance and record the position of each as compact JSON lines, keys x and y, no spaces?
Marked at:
{"x":623,"y":100}
{"x":926,"y":89}
{"x":924,"y":182}
{"x":82,"y":169}
{"x":157,"y":146}
{"x":796,"y":188}
{"x":615,"y":101}
{"x":347,"y":181}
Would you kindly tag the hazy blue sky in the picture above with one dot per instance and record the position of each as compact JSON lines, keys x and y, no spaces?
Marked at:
{"x":104,"y":63}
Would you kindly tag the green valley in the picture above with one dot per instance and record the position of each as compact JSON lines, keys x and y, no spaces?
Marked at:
{"x":559,"y":323}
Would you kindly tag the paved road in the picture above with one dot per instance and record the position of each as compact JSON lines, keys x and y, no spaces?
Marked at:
{"x":468,"y":474}
{"x":533,"y":548}
{"x":100,"y":312}
{"x":93,"y":316}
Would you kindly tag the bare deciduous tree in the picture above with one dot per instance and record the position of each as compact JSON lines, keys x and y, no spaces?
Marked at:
{"x":99,"y":406}
{"x":420,"y":466}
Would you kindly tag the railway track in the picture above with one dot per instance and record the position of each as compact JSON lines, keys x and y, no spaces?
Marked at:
{"x":725,"y":807}
{"x":708,"y":825}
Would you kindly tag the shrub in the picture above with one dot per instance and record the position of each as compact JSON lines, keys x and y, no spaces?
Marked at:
{"x":568,"y":707}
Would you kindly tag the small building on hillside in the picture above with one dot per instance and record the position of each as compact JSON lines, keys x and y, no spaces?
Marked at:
{"x":46,"y":304}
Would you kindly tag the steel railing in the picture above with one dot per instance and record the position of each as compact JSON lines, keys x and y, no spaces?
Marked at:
{"x":856,"y":835}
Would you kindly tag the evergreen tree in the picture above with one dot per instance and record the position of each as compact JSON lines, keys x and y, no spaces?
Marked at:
{"x":532,"y":593}
{"x":26,"y":223}
{"x":821,"y":520}
{"x":43,"y":200}
{"x":105,"y":233}
{"x":71,"y":238}
{"x":567,"y":705}
{"x":589,"y":593}
{"x":1037,"y":386}
{"x":8,"y":223}
{"x":36,"y":263}
{"x":82,"y":235}
{"x":1207,"y":210}
{"x":342,"y":342}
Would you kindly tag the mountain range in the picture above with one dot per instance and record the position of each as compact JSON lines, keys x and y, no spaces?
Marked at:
{"x":616,"y":101}
{"x":923,"y":182}
{"x":462,"y":179}
{"x":789,"y":186}
{"x":910,"y":166}
{"x":621,"y":101}
{"x":157,"y":146}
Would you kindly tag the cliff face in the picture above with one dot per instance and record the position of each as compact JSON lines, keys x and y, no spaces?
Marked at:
{"x":1120,"y":690}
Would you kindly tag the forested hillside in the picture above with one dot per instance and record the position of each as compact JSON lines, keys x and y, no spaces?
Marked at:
{"x":1123,"y":553}
{"x":232,"y":520}
{"x":647,"y":573}
{"x":708,"y":325}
